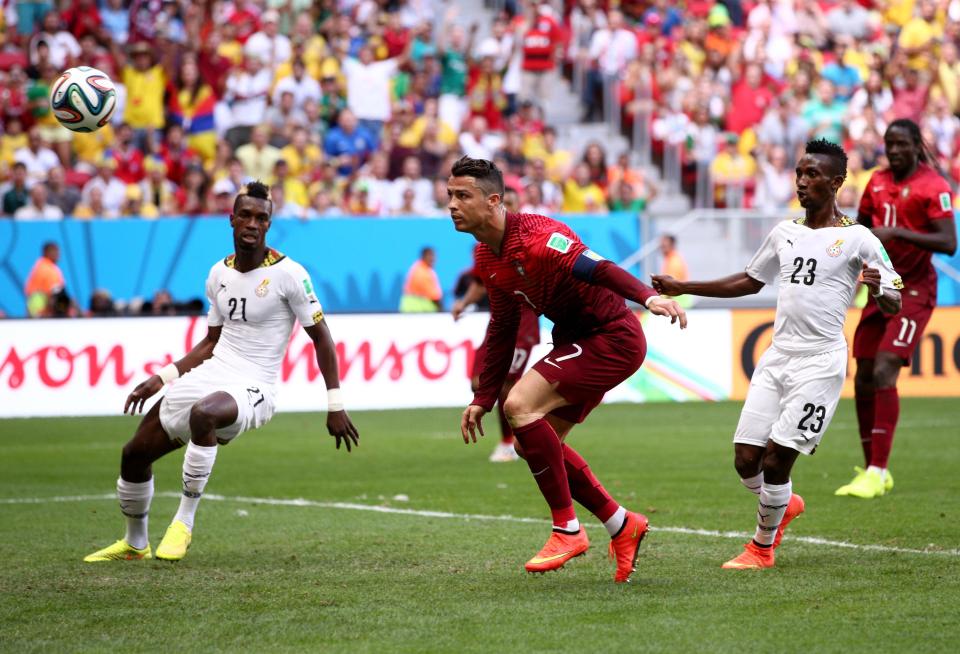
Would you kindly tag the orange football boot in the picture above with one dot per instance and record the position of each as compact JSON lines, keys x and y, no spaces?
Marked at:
{"x":625,"y":546}
{"x":559,"y":549}
{"x":753,"y":557}
{"x":794,"y":508}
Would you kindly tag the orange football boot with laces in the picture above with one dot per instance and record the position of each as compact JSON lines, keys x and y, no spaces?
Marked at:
{"x":625,"y":546}
{"x":753,"y":557}
{"x":559,"y":549}
{"x":794,"y":508}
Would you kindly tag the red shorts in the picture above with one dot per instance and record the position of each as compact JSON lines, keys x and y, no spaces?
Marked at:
{"x":528,"y":336}
{"x":585,"y":369}
{"x":899,"y":334}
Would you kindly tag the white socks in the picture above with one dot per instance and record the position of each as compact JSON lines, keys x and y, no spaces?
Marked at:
{"x":197,"y":466}
{"x":880,"y":471}
{"x":773,"y":504}
{"x":572,"y":527}
{"x":615,"y":523}
{"x":135,"y":505}
{"x":754,"y":483}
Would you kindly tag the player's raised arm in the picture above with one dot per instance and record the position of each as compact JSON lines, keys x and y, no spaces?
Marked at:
{"x":338,"y":422}
{"x":147,"y":389}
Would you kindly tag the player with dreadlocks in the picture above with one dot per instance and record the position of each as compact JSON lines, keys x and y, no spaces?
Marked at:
{"x":796,"y":386}
{"x":910,"y":209}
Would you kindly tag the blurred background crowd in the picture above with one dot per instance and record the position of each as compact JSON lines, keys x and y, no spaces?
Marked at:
{"x":358,"y":107}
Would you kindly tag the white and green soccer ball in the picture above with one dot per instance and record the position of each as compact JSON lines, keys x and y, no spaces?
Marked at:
{"x":83,"y":99}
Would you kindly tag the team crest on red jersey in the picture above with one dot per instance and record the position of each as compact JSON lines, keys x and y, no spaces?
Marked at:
{"x":905,"y":192}
{"x":520,"y":270}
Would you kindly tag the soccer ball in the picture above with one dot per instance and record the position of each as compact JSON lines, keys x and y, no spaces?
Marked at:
{"x":83,"y":99}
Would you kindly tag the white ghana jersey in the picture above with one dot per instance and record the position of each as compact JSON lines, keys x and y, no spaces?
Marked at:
{"x":818,"y":271}
{"x":257,"y":310}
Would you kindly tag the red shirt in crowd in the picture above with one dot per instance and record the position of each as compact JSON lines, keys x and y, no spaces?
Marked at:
{"x":540,"y":43}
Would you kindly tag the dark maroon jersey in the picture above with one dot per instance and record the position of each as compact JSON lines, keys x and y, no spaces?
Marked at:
{"x":535,"y":269}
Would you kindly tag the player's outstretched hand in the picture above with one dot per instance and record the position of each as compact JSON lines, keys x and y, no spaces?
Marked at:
{"x":666,"y":285}
{"x":143,"y":392}
{"x":340,"y":427}
{"x":470,"y":423}
{"x":457,"y":310}
{"x":665,"y":307}
{"x":871,"y":277}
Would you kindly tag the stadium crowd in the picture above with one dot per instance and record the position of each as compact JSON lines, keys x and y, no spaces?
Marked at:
{"x":359,"y":107}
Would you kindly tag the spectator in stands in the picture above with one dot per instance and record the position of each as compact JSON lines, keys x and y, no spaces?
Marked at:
{"x":281,"y":119}
{"x":145,"y":82}
{"x":454,"y":50}
{"x":38,"y":208}
{"x":512,"y":152}
{"x":156,"y":189}
{"x":348,"y":144}
{"x":875,"y":92}
{"x":412,"y":179}
{"x":868,"y":119}
{"x":301,"y":155}
{"x":16,"y":195}
{"x":191,"y":105}
{"x":113,"y":191}
{"x":322,"y":206}
{"x":672,"y":262}
{"x":610,"y":49}
{"x":101,"y":304}
{"x":910,"y":91}
{"x":948,"y":75}
{"x":486,"y":95}
{"x":300,"y":84}
{"x":294,"y":190}
{"x":368,"y":89}
{"x":91,"y":205}
{"x":44,"y":279}
{"x":595,"y":157}
{"x":783,"y":126}
{"x":919,"y":38}
{"x":750,"y":97}
{"x":116,"y":20}
{"x":825,"y":113}
{"x":37,"y":157}
{"x":944,"y":127}
{"x":63,"y":46}
{"x":258,"y":157}
{"x":282,"y":207}
{"x":134,"y":205}
{"x":849,"y":18}
{"x":247,"y":92}
{"x":422,"y":292}
{"x":128,"y":159}
{"x":61,"y":194}
{"x":581,"y":194}
{"x":731,"y":172}
{"x":191,"y":197}
{"x":268,"y":45}
{"x":532,"y":201}
{"x":542,"y":41}
{"x":478,"y":142}
{"x":775,"y":181}
{"x":550,"y":193}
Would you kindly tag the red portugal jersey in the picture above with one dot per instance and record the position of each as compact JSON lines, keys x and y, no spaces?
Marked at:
{"x":914,"y":204}
{"x":535,"y":269}
{"x":528,"y":333}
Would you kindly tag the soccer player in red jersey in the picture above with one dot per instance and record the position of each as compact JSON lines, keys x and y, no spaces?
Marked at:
{"x":910,"y":209}
{"x":528,"y":335}
{"x":532,"y":260}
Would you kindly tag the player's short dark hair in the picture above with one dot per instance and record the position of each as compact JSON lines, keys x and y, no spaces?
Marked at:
{"x":832,"y":150}
{"x":257,"y":190}
{"x":488,"y":176}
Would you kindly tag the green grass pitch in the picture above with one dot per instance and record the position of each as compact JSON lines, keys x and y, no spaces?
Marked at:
{"x":327,"y":577}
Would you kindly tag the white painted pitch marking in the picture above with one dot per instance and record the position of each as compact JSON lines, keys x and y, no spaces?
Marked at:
{"x":350,"y":506}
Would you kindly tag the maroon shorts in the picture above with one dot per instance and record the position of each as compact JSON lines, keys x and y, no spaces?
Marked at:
{"x":899,"y":334}
{"x":585,"y":369}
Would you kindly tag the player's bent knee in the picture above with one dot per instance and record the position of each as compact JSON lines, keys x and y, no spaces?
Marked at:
{"x":210,"y":413}
{"x":747,"y":460}
{"x":885,"y":373}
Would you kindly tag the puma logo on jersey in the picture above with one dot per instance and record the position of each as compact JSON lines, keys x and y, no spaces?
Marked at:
{"x":834,"y":250}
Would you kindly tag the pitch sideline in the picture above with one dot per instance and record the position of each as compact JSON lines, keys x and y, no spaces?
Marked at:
{"x":349,"y":506}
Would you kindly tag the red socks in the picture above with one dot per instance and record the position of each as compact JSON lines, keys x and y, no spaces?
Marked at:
{"x":585,"y":488}
{"x":865,"y":418}
{"x":884,"y":424}
{"x":506,"y":431}
{"x":544,"y":454}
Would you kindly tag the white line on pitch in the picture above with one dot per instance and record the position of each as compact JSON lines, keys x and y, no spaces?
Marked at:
{"x":350,"y":506}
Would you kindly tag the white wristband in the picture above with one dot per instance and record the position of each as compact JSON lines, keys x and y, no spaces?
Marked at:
{"x":878,"y":293}
{"x":168,"y":373}
{"x":334,"y":400}
{"x":650,"y":299}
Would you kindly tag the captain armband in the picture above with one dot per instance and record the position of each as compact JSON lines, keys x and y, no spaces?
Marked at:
{"x":586,"y":264}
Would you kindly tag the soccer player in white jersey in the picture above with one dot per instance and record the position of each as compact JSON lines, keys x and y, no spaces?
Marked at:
{"x":794,"y":391}
{"x":226,"y":384}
